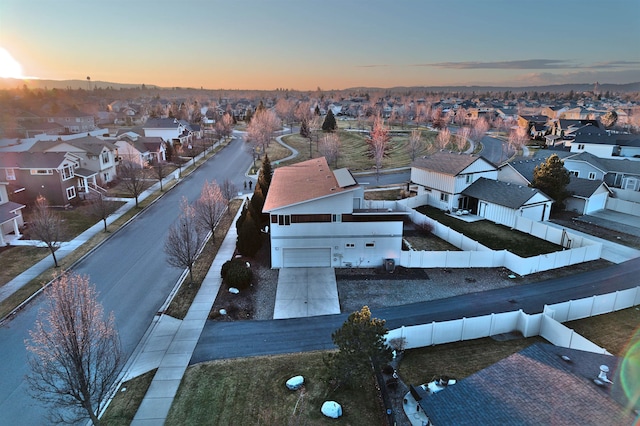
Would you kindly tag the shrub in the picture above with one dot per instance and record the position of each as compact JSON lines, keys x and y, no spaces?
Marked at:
{"x":236,"y":274}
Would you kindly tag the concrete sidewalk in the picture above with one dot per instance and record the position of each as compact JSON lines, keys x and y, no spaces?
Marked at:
{"x":170,"y":342}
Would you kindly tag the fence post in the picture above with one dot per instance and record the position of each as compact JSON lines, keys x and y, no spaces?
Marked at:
{"x":615,"y":301}
{"x":433,"y":332}
{"x":491,"y":324}
{"x":593,"y":302}
{"x":462,"y":329}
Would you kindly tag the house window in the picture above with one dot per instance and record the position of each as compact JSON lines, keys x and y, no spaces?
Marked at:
{"x":11,"y":174}
{"x":71,"y":192}
{"x":468,"y":179}
{"x":574,"y":173}
{"x":284,"y":219}
{"x":336,"y":218}
{"x":67,"y":173}
{"x":106,"y":177}
{"x":350,"y":245}
{"x":444,"y":197}
{"x":105,"y":157}
{"x":580,"y":146}
{"x":370,"y":245}
{"x":41,"y":172}
{"x":592,"y":175}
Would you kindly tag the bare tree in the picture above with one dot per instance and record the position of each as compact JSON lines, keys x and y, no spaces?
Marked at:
{"x":480,"y":127}
{"x":210,"y":207}
{"x":184,"y":240}
{"x":285,"y":109}
{"x":330,"y":148}
{"x":518,"y":137}
{"x":74,"y":352}
{"x":102,"y":209}
{"x":463,"y":136}
{"x":261,"y":128}
{"x":46,"y":226}
{"x":132,"y":176}
{"x":228,"y":190}
{"x":443,"y":138}
{"x":378,"y":143}
{"x":415,"y":143}
{"x":160,"y":171}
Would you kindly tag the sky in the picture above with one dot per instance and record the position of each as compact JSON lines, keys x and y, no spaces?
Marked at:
{"x":327,"y":44}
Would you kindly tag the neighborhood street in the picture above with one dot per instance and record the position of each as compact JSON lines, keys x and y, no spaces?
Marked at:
{"x":130,"y":273}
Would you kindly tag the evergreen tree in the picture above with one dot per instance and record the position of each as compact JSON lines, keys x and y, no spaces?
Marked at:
{"x":304,"y":129}
{"x":329,"y":124}
{"x":317,"y":110}
{"x":266,"y":173}
{"x":552,"y":178}
{"x":361,"y":348}
{"x":249,"y":237}
{"x":243,"y":215}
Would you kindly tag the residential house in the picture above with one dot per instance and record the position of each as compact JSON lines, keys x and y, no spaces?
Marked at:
{"x":503,"y":202}
{"x":445,"y":175}
{"x":318,"y":218}
{"x":50,"y":174}
{"x":587,"y":196}
{"x":73,"y":121}
{"x":540,"y":385}
{"x":139,"y":149}
{"x":605,"y":145}
{"x":171,"y":130}
{"x":620,"y":175}
{"x":553,"y":112}
{"x":527,"y":121}
{"x":97,"y":156}
{"x":10,"y":216}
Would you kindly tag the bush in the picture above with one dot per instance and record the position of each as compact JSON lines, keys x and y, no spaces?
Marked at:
{"x":236,"y":274}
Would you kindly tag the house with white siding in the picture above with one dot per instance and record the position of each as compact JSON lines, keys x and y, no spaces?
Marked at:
{"x":318,"y":218}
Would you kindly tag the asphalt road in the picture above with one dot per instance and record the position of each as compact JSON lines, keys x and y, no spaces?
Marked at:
{"x":493,"y":150}
{"x":131,"y":275}
{"x":220,"y":340}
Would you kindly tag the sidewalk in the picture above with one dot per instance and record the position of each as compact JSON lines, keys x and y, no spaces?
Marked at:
{"x":170,"y":342}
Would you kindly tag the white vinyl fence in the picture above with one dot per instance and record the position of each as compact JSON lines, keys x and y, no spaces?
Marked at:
{"x":545,"y":324}
{"x":476,"y":255}
{"x":623,"y":206}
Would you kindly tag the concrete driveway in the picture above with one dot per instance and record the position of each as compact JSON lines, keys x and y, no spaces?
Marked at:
{"x":627,"y":223}
{"x":306,"y":292}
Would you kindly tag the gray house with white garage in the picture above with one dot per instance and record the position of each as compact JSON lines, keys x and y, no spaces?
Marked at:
{"x":318,"y":218}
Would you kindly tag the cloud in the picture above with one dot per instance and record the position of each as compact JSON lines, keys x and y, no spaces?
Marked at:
{"x":578,"y":76}
{"x":373,"y":66}
{"x":530,"y":64}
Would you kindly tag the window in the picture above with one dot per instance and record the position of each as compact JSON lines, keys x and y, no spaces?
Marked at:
{"x":370,"y":245}
{"x":71,"y":192}
{"x":580,"y":146}
{"x":67,"y":173}
{"x":336,"y":218}
{"x":574,"y":173}
{"x":468,"y":179}
{"x":41,"y":172}
{"x":105,"y":157}
{"x":11,"y":174}
{"x":106,"y":177}
{"x":592,"y":175}
{"x":284,"y":220}
{"x":444,"y":197}
{"x":350,"y":245}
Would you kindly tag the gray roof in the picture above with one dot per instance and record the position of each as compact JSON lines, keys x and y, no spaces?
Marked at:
{"x":594,"y":137}
{"x":534,"y":387}
{"x":31,"y":160}
{"x":161,"y":123}
{"x":608,"y":165}
{"x":89,"y":144}
{"x":448,"y":163}
{"x":584,"y":187}
{"x":501,"y":193}
{"x":7,"y":211}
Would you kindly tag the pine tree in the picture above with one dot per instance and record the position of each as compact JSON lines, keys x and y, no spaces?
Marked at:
{"x":266,"y":172}
{"x":249,"y":237}
{"x":329,"y":124}
{"x":317,"y":110}
{"x":552,"y":178}
{"x":304,"y":129}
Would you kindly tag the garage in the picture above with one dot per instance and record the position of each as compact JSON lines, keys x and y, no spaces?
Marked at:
{"x":306,"y":257}
{"x":596,"y":202}
{"x":535,"y":212}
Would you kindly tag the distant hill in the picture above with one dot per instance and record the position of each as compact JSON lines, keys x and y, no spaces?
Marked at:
{"x":11,"y":83}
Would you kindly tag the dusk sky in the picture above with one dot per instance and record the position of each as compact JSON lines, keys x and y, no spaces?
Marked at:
{"x":331,"y":44}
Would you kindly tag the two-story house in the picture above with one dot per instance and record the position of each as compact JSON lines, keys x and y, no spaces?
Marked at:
{"x":171,"y":130}
{"x":605,"y":145}
{"x":10,"y":216}
{"x":318,"y":218}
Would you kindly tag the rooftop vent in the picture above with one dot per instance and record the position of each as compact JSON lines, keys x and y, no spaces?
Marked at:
{"x":603,"y":374}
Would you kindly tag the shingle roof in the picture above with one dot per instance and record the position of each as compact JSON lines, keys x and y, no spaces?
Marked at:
{"x":501,"y":193}
{"x":7,"y":211}
{"x":608,"y":165}
{"x":89,"y":144}
{"x":594,"y":137}
{"x":534,"y":387}
{"x":583,"y":187}
{"x":305,"y":181}
{"x":32,"y":160}
{"x":161,"y":123}
{"x":447,"y":162}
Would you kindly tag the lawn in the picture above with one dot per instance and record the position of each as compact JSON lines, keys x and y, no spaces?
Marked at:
{"x":251,"y":391}
{"x":17,"y":259}
{"x":494,"y":236}
{"x":126,"y":401}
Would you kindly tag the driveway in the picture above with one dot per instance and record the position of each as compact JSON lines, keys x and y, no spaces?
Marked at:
{"x":627,"y":223}
{"x":306,"y":292}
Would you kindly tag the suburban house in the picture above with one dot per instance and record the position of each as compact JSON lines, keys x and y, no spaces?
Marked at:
{"x":587,"y":196}
{"x":622,"y":174}
{"x":540,"y":385}
{"x":50,"y":174}
{"x":139,"y":149}
{"x":503,"y":202}
{"x":318,"y":218}
{"x":445,"y":175}
{"x":10,"y":216}
{"x":97,"y":156}
{"x":605,"y":145}
{"x":73,"y":121}
{"x":171,"y":130}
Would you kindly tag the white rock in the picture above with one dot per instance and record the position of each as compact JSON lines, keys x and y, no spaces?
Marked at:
{"x":234,"y":290}
{"x":331,"y":409}
{"x":223,"y":312}
{"x":295,"y":383}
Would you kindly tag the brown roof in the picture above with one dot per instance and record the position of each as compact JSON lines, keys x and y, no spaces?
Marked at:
{"x":446,"y":162}
{"x":309,"y":180}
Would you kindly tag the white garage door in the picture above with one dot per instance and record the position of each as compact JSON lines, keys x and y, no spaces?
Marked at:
{"x":597,"y":202}
{"x":306,"y":258}
{"x":533,"y":213}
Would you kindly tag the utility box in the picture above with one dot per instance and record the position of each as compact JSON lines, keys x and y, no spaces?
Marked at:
{"x":390,"y":265}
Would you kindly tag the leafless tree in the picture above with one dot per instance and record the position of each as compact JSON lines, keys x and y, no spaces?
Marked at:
{"x":378,"y":142}
{"x":461,"y":115}
{"x":74,"y":351}
{"x":463,"y":136}
{"x":228,"y":190}
{"x":415,"y":143}
{"x":303,"y":112}
{"x":285,"y":108}
{"x":262,"y":127}
{"x":102,"y":209}
{"x":210,"y":207}
{"x":160,"y":171}
{"x":443,"y":138}
{"x":184,"y":240}
{"x":330,"y":148}
{"x":518,"y":137}
{"x":46,"y":226}
{"x":132,"y":177}
{"x":480,"y":127}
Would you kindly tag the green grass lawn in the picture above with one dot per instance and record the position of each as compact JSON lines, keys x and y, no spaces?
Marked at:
{"x":494,"y":236}
{"x":126,"y":401}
